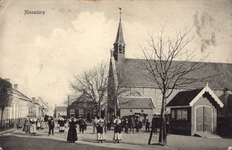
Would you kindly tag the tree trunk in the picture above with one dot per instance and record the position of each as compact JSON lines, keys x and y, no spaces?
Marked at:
{"x":2,"y":114}
{"x":99,"y":113}
{"x":163,"y":133}
{"x":152,"y":127}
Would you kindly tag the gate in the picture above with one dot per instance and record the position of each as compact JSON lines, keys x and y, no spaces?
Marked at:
{"x":204,"y":119}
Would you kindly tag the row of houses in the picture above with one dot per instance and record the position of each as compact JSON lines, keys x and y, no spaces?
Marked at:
{"x":22,"y":106}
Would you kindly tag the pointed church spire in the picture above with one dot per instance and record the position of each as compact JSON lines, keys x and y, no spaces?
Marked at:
{"x":119,"y":44}
{"x":119,"y":37}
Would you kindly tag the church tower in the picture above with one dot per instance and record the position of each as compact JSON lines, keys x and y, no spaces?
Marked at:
{"x":119,"y":44}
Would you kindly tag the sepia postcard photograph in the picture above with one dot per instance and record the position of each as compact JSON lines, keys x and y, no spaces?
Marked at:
{"x":115,"y":74}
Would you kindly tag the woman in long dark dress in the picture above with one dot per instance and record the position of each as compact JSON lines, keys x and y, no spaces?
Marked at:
{"x":72,"y":132}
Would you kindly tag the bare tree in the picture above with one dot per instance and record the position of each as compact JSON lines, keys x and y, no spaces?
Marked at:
{"x":5,"y":93}
{"x":168,"y":73}
{"x":93,"y":83}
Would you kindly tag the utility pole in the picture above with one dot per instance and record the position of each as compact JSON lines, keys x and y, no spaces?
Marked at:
{"x":68,"y":108}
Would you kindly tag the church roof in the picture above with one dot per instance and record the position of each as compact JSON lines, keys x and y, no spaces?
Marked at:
{"x":119,"y":36}
{"x":135,"y":75}
{"x":135,"y":103}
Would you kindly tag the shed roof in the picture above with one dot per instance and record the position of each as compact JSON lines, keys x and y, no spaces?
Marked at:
{"x":188,"y":98}
{"x":135,"y":103}
{"x":183,"y":98}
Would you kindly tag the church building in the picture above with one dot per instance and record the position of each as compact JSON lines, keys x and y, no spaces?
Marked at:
{"x":128,"y":79}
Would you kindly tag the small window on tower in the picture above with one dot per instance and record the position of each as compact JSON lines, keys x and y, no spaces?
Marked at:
{"x":120,"y":50}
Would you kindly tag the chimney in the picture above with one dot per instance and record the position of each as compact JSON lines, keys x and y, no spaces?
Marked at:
{"x":16,"y":86}
{"x":7,"y":79}
{"x":33,"y":99}
{"x":225,"y":95}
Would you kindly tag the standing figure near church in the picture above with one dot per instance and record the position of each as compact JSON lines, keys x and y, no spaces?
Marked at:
{"x":147,"y":129}
{"x":153,"y":127}
{"x":26,"y":127}
{"x":126,"y":125}
{"x":51,"y":126}
{"x":61,"y":123}
{"x":42,"y":125}
{"x":72,"y":132}
{"x":82,"y":125}
{"x":108,"y":125}
{"x":117,"y":129}
{"x":33,"y":126}
{"x":132,"y":124}
{"x":105,"y":125}
{"x":38,"y":124}
{"x":95,"y":124}
{"x":19,"y":124}
{"x":100,"y":130}
{"x":137,"y":125}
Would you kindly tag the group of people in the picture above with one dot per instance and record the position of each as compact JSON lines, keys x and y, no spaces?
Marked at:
{"x":31,"y":125}
{"x":132,"y":124}
{"x":100,"y":126}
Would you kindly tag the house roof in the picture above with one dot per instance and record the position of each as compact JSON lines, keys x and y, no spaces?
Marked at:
{"x":82,"y":101}
{"x":189,"y":98}
{"x":61,"y":108}
{"x":21,"y":95}
{"x":135,"y":103}
{"x":135,"y":75}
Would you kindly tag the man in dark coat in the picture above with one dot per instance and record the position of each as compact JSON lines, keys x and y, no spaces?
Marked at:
{"x":147,"y":129}
{"x":108,"y":125}
{"x":153,"y":127}
{"x":81,"y":125}
{"x":51,"y":126}
{"x":72,"y":132}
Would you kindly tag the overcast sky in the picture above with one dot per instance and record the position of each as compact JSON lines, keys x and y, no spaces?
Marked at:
{"x":41,"y":53}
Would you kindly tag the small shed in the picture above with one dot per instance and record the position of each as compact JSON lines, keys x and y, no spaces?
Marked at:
{"x":194,"y":111}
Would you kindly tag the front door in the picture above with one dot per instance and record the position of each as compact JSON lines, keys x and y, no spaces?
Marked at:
{"x":204,"y":118}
